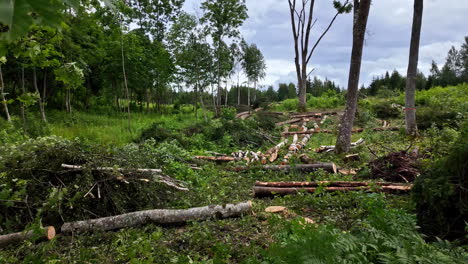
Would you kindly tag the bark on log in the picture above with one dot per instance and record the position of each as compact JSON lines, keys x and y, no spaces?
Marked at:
{"x":292,"y":121}
{"x":328,"y":166}
{"x":316,"y":131}
{"x":270,"y":191}
{"x":217,"y":158}
{"x":328,"y":183}
{"x":77,"y":167}
{"x":14,"y":238}
{"x":314,"y":114}
{"x":158,"y":216}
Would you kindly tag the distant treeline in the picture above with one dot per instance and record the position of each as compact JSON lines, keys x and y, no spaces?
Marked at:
{"x":453,"y":72}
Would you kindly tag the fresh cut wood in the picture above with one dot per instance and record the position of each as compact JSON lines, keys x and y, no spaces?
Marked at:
{"x":77,"y":167}
{"x":46,"y":233}
{"x":158,"y":216}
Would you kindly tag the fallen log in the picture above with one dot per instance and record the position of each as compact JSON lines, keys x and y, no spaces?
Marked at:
{"x":328,"y":166}
{"x":292,"y":121}
{"x":77,"y":167}
{"x":351,"y":157}
{"x":158,"y":216}
{"x":315,"y":131}
{"x":217,"y":158}
{"x":331,"y":148}
{"x":270,"y":191}
{"x":14,"y":238}
{"x":314,"y":114}
{"x":327,"y":183}
{"x":386,"y":128}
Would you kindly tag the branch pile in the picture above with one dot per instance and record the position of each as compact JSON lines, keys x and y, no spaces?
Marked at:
{"x":396,"y":167}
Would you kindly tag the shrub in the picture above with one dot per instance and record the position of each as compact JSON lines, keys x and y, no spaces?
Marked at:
{"x":385,"y":236}
{"x":329,"y":99}
{"x":428,"y":116}
{"x":290,"y":104}
{"x":441,"y":193}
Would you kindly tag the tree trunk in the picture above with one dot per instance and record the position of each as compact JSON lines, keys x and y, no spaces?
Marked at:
{"x":343,"y":140}
{"x":158,"y":216}
{"x":226,"y":99}
{"x":41,"y":105}
{"x":238,"y":90}
{"x":248,"y":94}
{"x":2,"y":92}
{"x":125,"y":79}
{"x":195,"y":102}
{"x":14,"y":238}
{"x":410,"y":110}
{"x":23,"y":91}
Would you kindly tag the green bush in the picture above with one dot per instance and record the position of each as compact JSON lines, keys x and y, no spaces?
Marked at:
{"x":329,"y":99}
{"x":428,"y":115}
{"x":441,"y":193}
{"x":385,"y":236}
{"x":289,"y":104}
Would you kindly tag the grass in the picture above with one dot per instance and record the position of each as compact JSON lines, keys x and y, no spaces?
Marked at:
{"x":112,"y":129}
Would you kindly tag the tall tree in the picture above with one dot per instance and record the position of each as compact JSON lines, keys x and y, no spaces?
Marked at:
{"x":223,"y":19}
{"x":361,"y":13}
{"x":410,"y":110}
{"x":2,"y":91}
{"x":301,"y":22}
{"x":254,"y":66}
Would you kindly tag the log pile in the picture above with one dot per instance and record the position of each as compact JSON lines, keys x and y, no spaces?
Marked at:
{"x":263,"y":189}
{"x":158,"y":216}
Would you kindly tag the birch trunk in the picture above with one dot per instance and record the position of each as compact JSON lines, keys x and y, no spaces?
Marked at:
{"x":410,"y":110}
{"x":2,"y":92}
{"x":41,"y":105}
{"x":158,"y":216}
{"x":343,"y":140}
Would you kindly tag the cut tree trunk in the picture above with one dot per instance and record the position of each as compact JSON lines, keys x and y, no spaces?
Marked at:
{"x":158,"y":216}
{"x":270,"y":191}
{"x":410,"y":108}
{"x":328,"y":166}
{"x":2,"y":93}
{"x":217,"y":158}
{"x":14,"y":238}
{"x":327,"y":183}
{"x":331,"y":148}
{"x":361,"y":14}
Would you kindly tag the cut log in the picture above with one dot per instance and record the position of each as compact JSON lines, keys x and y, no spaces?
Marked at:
{"x":331,"y":148}
{"x":217,"y":158}
{"x":316,"y":131}
{"x":292,"y":121}
{"x":327,"y":183}
{"x":270,"y":191}
{"x":46,"y":233}
{"x":77,"y":167}
{"x":328,"y":166}
{"x":386,"y":128}
{"x":351,"y":157}
{"x":158,"y":216}
{"x":313,"y":114}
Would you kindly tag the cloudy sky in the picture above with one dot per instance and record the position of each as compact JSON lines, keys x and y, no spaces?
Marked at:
{"x":445,"y":23}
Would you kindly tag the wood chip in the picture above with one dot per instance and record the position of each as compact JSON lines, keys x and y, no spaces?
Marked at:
{"x":275,"y":209}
